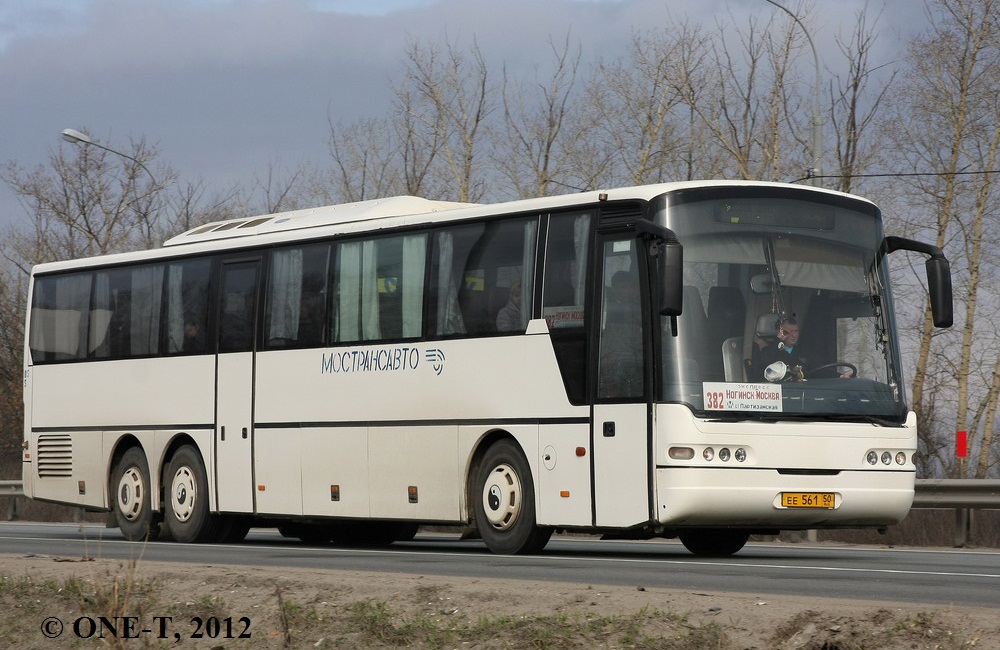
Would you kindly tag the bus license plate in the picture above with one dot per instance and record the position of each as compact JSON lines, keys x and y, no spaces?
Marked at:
{"x":808,"y":500}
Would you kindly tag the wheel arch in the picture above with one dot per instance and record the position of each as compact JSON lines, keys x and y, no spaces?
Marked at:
{"x":122,"y":445}
{"x":475,"y":462}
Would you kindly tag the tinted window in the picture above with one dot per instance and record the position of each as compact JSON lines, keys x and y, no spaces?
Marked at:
{"x":482,"y":277}
{"x":379,"y":289}
{"x":295,"y":310}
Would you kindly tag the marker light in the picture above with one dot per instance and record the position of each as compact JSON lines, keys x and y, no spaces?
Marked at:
{"x":680,"y":453}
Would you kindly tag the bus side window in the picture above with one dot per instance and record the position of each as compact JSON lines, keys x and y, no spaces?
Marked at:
{"x":476,"y":268}
{"x":379,"y":288}
{"x":295,"y":310}
{"x":187,"y":307}
{"x":564,"y":296}
{"x":60,"y":317}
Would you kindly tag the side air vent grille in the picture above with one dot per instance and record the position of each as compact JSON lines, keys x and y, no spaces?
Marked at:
{"x":55,"y":455}
{"x":626,"y":210}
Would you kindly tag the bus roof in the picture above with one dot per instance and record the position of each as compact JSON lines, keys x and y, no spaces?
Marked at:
{"x":385,"y":213}
{"x":394,"y":206}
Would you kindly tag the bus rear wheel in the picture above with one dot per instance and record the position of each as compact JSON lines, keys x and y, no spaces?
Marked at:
{"x":714,"y":542}
{"x":132,"y":504}
{"x":187,"y":514}
{"x":504,"y":502}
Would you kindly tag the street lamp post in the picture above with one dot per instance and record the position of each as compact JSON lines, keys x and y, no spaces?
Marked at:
{"x":817,"y":138}
{"x":75,"y":137}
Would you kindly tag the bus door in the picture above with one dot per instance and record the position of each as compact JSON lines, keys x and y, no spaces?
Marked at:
{"x":234,"y":386}
{"x":621,"y":414}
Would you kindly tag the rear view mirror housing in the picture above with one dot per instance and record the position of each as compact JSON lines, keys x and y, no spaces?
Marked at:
{"x":938,"y":277}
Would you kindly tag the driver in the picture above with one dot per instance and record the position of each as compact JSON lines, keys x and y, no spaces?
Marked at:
{"x":782,"y":348}
{"x":785,"y":348}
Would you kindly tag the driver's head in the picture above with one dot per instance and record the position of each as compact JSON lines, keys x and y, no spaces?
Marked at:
{"x":788,"y":330}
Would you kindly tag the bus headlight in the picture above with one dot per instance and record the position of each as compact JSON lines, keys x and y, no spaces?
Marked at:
{"x":886,"y":458}
{"x":708,"y":454}
{"x":900,"y":458}
{"x":724,"y":454}
{"x":872,"y":457}
{"x":740,"y":455}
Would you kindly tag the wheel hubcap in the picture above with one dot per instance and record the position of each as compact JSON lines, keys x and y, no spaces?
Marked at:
{"x":184,"y":493}
{"x":502,"y":497}
{"x":130,"y":494}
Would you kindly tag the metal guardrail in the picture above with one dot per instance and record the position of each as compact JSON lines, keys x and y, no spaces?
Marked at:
{"x":961,"y":494}
{"x":957,"y":493}
{"x":11,"y":489}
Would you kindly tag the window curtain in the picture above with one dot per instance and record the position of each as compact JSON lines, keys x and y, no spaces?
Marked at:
{"x":449,"y":316}
{"x":100,"y":315}
{"x":144,"y":319}
{"x":527,"y":271}
{"x":581,"y":232}
{"x":412,"y":283}
{"x":349,"y":285}
{"x":286,"y":294}
{"x":371,"y":328}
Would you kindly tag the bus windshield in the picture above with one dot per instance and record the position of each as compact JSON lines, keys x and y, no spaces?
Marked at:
{"x":786,"y":309}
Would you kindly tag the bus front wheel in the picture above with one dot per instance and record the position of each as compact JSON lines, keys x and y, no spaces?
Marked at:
{"x":132,"y":505}
{"x":504,"y":502}
{"x":187,"y":514}
{"x":714,"y":542}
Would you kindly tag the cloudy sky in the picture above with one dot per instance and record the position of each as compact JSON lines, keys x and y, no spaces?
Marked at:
{"x":227,"y":88}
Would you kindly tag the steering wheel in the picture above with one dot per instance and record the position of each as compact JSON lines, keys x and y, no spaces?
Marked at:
{"x":838,"y":365}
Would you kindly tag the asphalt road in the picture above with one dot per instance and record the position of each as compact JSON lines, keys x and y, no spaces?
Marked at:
{"x":936,"y":576}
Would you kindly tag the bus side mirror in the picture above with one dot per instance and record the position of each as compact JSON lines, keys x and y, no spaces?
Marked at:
{"x":671,"y":267}
{"x":938,"y":276}
{"x":939,"y":286}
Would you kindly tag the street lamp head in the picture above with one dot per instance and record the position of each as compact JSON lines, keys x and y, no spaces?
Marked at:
{"x":75,"y":137}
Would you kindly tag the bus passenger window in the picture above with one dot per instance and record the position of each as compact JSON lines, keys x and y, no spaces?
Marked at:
{"x":295,"y":309}
{"x":187,"y":307}
{"x":379,"y":289}
{"x":564,"y":293}
{"x":60,"y":317}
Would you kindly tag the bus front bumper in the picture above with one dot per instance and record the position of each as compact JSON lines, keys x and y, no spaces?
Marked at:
{"x":765,"y":498}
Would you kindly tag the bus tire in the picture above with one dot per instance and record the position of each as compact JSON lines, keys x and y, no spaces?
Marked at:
{"x":132,"y":504}
{"x":187,"y":514}
{"x":504,"y":502}
{"x":714,"y":542}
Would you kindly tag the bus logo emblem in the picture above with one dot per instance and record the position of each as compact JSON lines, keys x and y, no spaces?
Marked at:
{"x":435,"y":357}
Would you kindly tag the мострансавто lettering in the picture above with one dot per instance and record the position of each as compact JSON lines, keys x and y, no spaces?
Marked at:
{"x":381,"y":360}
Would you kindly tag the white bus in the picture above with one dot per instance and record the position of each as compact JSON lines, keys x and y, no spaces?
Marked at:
{"x":582,"y":363}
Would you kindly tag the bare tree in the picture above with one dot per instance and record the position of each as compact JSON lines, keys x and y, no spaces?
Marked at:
{"x":752,"y":111}
{"x":88,"y":202}
{"x":634,"y":99}
{"x":369,"y":161}
{"x":447,"y":99}
{"x":853,"y":109}
{"x":948,"y":128}
{"x":539,"y":127}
